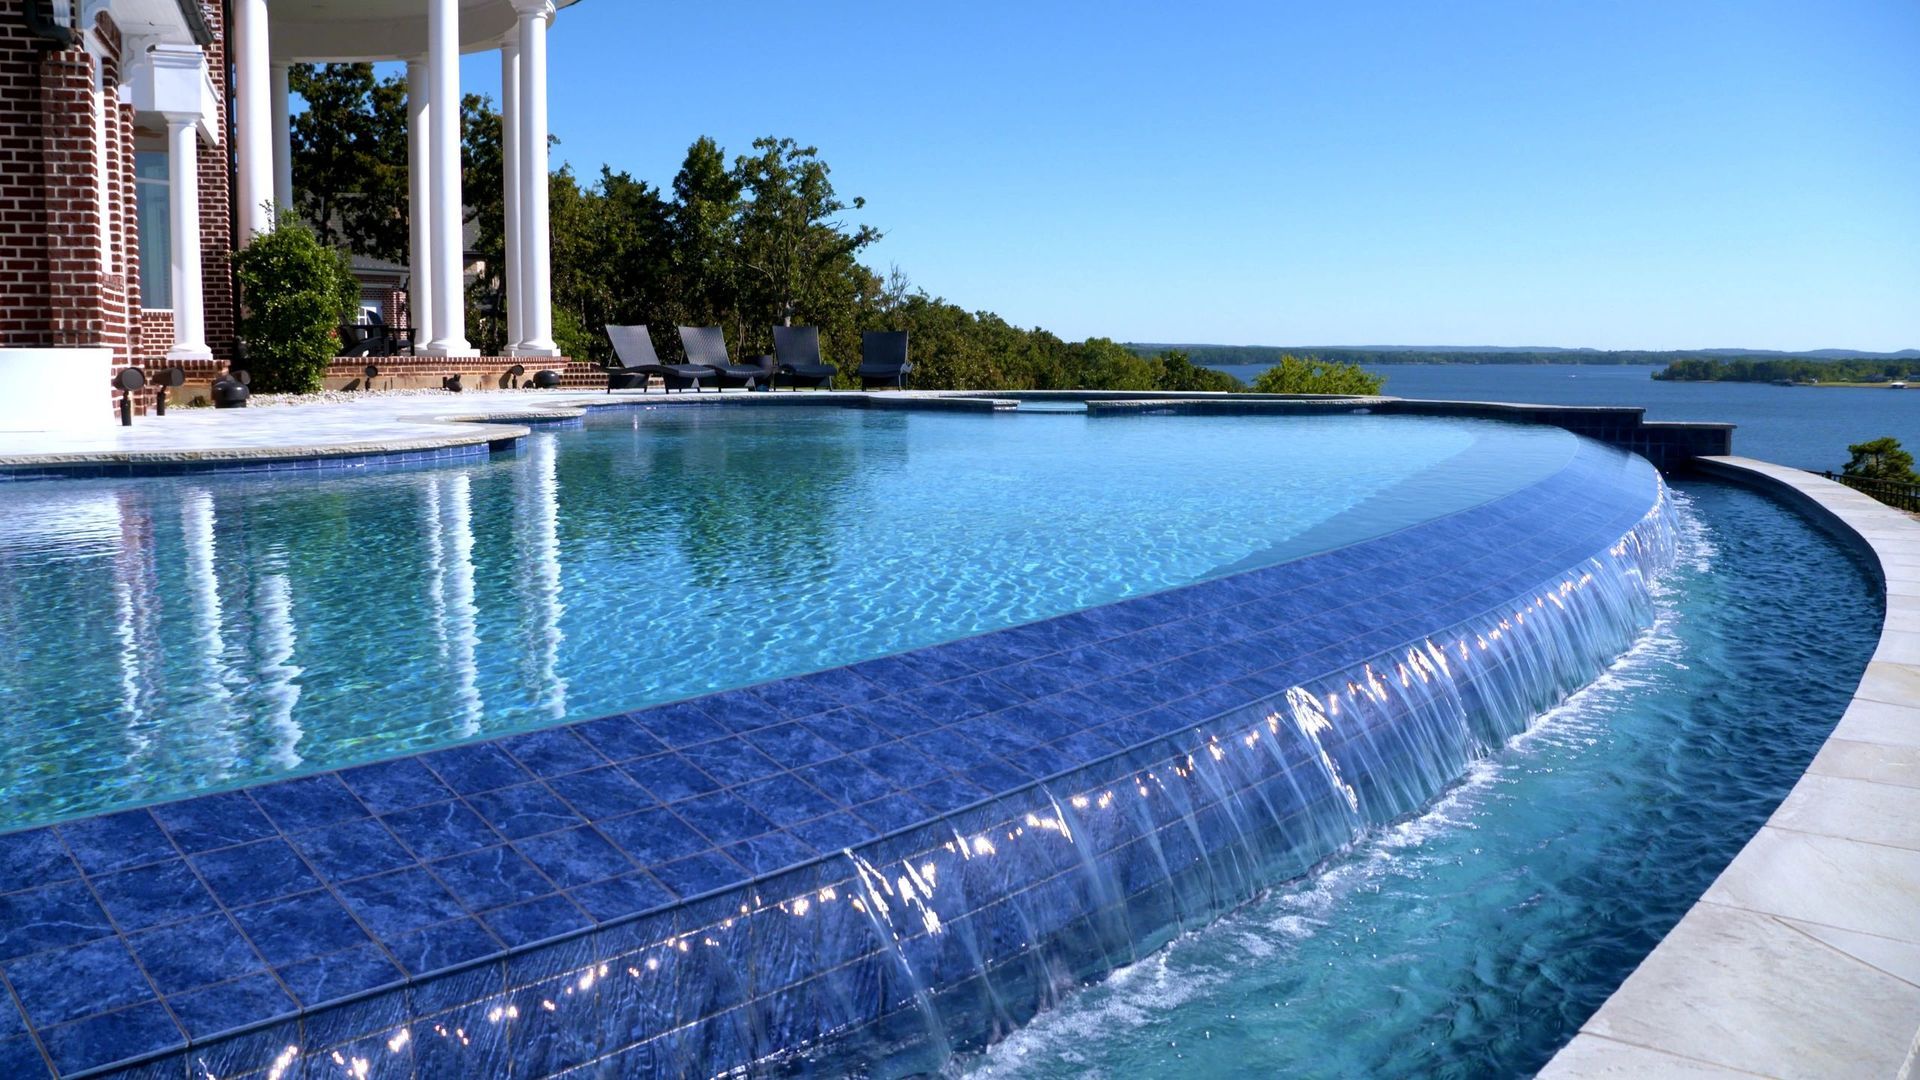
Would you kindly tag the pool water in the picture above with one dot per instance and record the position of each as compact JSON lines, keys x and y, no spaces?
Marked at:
{"x":167,"y":636}
{"x":1474,"y":939}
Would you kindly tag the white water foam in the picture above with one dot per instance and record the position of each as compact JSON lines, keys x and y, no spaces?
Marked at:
{"x":1130,"y":1001}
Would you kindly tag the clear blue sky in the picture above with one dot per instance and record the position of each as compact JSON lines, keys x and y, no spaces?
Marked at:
{"x":1651,"y":173}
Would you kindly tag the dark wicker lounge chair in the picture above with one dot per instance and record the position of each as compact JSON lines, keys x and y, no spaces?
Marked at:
{"x":883,"y":359}
{"x":707,"y":346}
{"x":798,"y":350}
{"x":635,"y":363}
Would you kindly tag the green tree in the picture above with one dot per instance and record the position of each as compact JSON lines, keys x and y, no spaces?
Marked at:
{"x":350,"y":158}
{"x":797,"y":255}
{"x":295,"y":293}
{"x":705,"y":256}
{"x":1293,"y":375}
{"x":1881,"y":459}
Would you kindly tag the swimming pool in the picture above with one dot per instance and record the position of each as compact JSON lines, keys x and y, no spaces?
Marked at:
{"x":1473,"y":939}
{"x":1163,"y":663}
{"x":174,"y":635}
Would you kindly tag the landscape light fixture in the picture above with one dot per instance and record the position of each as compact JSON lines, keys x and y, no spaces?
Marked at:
{"x":128,"y":380}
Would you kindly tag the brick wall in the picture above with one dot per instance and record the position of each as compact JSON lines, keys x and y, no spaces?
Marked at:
{"x":216,"y":212}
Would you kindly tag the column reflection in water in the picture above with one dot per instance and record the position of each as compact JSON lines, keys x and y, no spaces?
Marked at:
{"x":137,"y":615}
{"x":278,"y":682}
{"x":449,"y":529}
{"x":199,"y":541}
{"x":537,"y":502}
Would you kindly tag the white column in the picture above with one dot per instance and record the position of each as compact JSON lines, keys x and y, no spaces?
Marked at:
{"x":443,"y":129}
{"x":183,"y":219}
{"x":253,"y":117}
{"x":510,"y":189}
{"x":420,"y":194}
{"x":536,"y":282}
{"x":282,"y":138}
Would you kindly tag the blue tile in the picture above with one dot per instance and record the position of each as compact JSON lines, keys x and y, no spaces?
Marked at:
{"x":251,"y":873}
{"x":653,"y":836}
{"x":219,"y":1009}
{"x":392,"y":904}
{"x":11,"y":1023}
{"x":619,"y":738}
{"x":904,"y":671}
{"x":523,"y":811}
{"x":786,"y":798}
{"x":115,"y":842}
{"x":396,"y":785}
{"x":952,"y":750}
{"x":33,"y":858}
{"x":824,"y":691}
{"x":213,"y":821}
{"x":848,"y":781}
{"x":670,"y":777}
{"x":490,"y":878}
{"x":770,"y":853}
{"x":189,"y":955}
{"x":441,"y":829}
{"x":723,"y":818}
{"x":479,"y":767}
{"x":901,"y":764}
{"x":835,"y":832}
{"x":792,"y":745}
{"x":350,"y":850}
{"x":308,"y":803}
{"x":554,"y":752}
{"x":321,"y":979}
{"x":99,"y":1041}
{"x":602,"y":793}
{"x":893,"y":812}
{"x":949,"y":793}
{"x":575,"y":857}
{"x":739,"y":710}
{"x":21,"y":1058}
{"x":443,"y":946}
{"x":849,"y":729}
{"x":66,"y":984}
{"x":700,"y":874}
{"x":152,"y":895}
{"x":535,"y":920}
{"x":46,"y":918}
{"x":294,"y":928}
{"x":731,"y":761}
{"x":683,"y":723}
{"x":621,"y":896}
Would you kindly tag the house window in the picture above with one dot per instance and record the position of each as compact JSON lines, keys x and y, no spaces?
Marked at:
{"x":153,"y":192}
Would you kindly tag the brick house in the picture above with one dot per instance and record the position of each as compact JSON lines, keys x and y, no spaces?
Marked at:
{"x":141,"y":141}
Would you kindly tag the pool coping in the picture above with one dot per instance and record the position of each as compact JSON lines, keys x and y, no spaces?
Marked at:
{"x":436,"y":426}
{"x":1803,"y":957}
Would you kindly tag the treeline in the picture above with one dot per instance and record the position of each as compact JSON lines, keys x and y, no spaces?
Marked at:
{"x":744,"y":243}
{"x":1764,"y":369}
{"x":1232,"y":355}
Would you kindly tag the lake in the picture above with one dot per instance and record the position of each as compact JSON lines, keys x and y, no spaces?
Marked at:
{"x":1808,"y":427}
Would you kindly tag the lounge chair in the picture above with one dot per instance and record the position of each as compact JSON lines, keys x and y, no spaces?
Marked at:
{"x":635,"y":363}
{"x":883,"y":359}
{"x":707,"y":346}
{"x":798,"y":350}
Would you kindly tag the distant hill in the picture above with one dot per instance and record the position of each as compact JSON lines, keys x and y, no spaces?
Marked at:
{"x":1230,"y":355}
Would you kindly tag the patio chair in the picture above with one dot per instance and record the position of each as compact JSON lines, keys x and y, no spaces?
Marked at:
{"x":358,"y":339}
{"x":883,"y":359}
{"x":707,"y":346}
{"x":635,"y":363}
{"x":798,"y":350}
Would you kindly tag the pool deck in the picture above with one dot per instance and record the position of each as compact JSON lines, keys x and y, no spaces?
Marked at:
{"x":426,"y":426}
{"x":1803,"y":958}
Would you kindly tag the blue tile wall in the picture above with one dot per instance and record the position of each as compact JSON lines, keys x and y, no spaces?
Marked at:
{"x":821,"y":869}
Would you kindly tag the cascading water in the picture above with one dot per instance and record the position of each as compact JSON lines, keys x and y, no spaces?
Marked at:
{"x":939,"y":940}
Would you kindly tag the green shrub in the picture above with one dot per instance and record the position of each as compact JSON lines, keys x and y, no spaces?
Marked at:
{"x":295,"y":293}
{"x":1293,"y":375}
